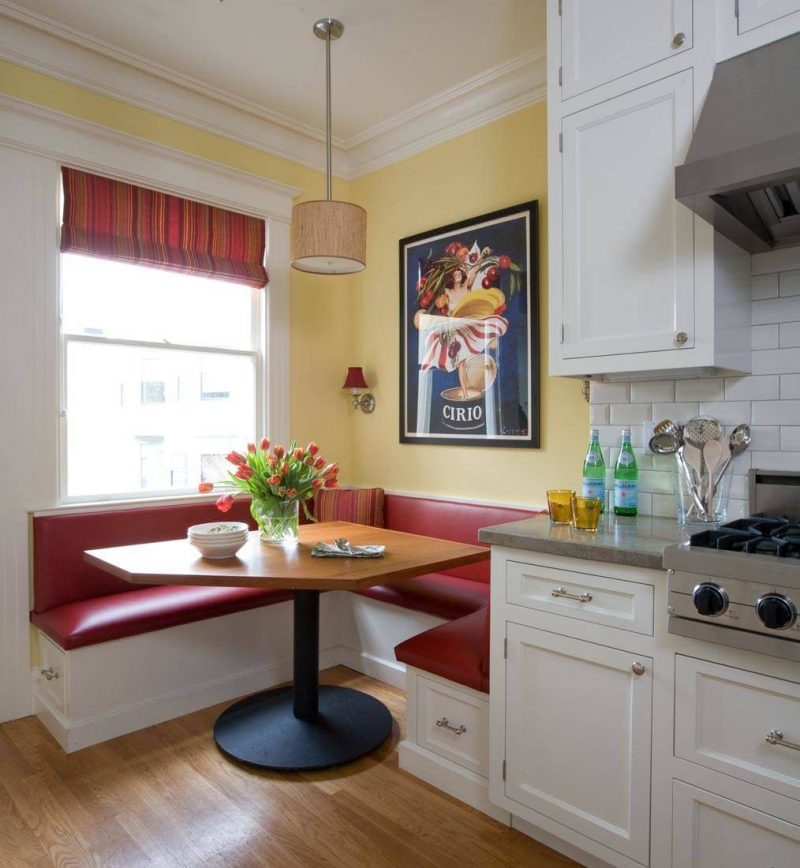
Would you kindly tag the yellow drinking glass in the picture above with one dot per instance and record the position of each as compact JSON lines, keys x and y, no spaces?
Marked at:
{"x":586,"y":513}
{"x":559,"y":503}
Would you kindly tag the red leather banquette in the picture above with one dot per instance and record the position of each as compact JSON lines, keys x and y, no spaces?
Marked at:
{"x":76,"y":604}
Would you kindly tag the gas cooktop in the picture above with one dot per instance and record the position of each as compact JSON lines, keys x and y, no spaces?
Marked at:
{"x":758,"y":534}
{"x":739,"y":584}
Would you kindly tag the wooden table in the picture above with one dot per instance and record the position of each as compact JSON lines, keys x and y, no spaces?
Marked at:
{"x":304,"y":726}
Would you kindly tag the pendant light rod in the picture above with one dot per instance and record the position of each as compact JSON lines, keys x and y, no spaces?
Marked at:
{"x":328,"y":29}
{"x":328,"y":134}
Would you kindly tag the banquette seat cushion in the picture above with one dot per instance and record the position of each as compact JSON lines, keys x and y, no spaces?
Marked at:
{"x":154,"y":607}
{"x":76,"y":604}
{"x":457,"y":650}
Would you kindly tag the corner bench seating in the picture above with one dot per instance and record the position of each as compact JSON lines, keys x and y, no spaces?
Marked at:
{"x":210,"y":644}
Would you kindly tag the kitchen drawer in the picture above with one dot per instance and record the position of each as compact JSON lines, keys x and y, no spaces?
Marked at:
{"x":709,"y":831}
{"x":613,"y":602}
{"x":454,"y":724}
{"x":723,"y":716}
{"x":51,"y":673}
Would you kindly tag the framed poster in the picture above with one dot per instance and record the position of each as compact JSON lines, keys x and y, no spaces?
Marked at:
{"x":469,"y":342}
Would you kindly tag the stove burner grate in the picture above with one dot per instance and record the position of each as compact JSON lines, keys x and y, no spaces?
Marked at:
{"x":758,"y":534}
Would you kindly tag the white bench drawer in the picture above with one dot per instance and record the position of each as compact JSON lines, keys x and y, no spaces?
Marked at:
{"x":52,"y":674}
{"x":453,"y":724}
{"x":724,"y":715}
{"x":600,"y":599}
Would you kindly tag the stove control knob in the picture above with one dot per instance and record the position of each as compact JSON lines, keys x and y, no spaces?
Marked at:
{"x":710,"y":599}
{"x":776,"y":611}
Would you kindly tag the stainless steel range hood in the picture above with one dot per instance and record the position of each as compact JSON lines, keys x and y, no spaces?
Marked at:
{"x":742,"y":171}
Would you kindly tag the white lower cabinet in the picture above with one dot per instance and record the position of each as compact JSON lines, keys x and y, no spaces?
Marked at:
{"x":578,"y":733}
{"x":709,"y":831}
{"x":741,"y":723}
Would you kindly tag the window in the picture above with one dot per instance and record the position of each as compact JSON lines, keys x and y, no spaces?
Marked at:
{"x":160,"y":376}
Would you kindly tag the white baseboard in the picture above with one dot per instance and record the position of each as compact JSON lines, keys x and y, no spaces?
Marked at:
{"x":460,"y":783}
{"x":550,"y":840}
{"x":389,"y":671}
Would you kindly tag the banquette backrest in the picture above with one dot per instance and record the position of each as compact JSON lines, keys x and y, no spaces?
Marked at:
{"x":449,"y":520}
{"x":60,"y":574}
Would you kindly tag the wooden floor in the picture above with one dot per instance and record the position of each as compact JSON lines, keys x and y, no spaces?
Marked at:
{"x":165,"y":796}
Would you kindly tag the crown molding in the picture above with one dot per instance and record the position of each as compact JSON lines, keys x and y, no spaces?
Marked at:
{"x":494,"y":93}
{"x":96,"y":148}
{"x":43,"y":45}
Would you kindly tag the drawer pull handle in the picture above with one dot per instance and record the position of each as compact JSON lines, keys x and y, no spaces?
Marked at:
{"x":50,"y":673}
{"x":775,"y":736}
{"x":445,"y":724}
{"x":638,"y":668}
{"x":585,"y":597}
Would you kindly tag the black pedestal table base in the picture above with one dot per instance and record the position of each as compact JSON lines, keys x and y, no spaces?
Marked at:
{"x":305,"y":726}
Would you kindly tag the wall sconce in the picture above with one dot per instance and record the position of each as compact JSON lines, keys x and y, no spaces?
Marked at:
{"x":355,"y":382}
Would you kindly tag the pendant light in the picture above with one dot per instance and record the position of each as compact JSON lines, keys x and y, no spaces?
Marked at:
{"x":328,"y":237}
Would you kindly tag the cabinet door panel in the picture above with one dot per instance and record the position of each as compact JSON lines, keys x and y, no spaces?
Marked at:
{"x":709,"y":831}
{"x":578,"y":736}
{"x":628,"y":245}
{"x":604,"y":41}
{"x":754,"y":13}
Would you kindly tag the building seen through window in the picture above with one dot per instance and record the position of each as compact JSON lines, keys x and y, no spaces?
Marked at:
{"x":160,"y":376}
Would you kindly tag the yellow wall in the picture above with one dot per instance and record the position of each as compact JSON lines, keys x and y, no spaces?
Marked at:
{"x":497,"y":165}
{"x":320,"y":321}
{"x":337,"y":322}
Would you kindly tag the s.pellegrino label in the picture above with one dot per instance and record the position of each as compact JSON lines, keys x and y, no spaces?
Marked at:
{"x":594,"y":471}
{"x":626,"y":478}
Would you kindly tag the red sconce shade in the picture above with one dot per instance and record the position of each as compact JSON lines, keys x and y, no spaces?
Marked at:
{"x":355,"y":379}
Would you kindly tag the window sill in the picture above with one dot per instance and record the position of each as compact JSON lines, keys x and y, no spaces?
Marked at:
{"x":77,"y":506}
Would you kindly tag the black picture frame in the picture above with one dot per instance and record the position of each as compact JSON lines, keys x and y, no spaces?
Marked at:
{"x":475,"y":368}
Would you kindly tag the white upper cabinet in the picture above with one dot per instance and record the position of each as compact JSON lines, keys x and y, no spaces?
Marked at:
{"x":637,"y":283}
{"x":628,"y":267}
{"x":756,"y":13}
{"x":603,"y":41}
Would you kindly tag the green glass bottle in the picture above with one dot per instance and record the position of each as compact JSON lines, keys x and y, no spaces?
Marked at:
{"x":594,"y":471}
{"x":626,"y":478}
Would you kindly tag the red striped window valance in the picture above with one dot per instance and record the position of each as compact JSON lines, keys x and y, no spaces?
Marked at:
{"x":108,"y":218}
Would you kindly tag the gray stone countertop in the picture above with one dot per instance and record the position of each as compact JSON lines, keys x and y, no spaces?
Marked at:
{"x":638,"y":542}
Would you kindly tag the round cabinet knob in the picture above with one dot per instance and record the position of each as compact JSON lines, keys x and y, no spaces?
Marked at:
{"x":681,"y":338}
{"x":638,"y":668}
{"x":710,"y":599}
{"x":776,"y":611}
{"x":678,"y":39}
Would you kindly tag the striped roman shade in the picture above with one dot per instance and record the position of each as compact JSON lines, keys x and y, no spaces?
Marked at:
{"x":358,"y":505}
{"x":114,"y":220}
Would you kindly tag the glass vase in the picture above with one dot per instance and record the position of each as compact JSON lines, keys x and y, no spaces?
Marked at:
{"x":277,"y":520}
{"x":688,"y":491}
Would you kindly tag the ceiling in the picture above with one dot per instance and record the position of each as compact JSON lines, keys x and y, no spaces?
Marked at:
{"x":394,"y":55}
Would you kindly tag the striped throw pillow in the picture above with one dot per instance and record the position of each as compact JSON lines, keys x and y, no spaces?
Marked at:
{"x":357,"y":505}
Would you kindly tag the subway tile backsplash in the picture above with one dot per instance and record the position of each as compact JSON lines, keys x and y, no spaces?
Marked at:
{"x":769,"y":401}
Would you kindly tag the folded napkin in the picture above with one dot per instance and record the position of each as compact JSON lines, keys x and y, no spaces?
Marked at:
{"x":341,"y":548}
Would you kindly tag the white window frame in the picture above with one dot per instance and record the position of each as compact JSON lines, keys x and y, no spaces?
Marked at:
{"x":257,"y":353}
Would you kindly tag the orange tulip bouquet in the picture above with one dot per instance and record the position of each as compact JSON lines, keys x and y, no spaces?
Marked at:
{"x":278,"y":482}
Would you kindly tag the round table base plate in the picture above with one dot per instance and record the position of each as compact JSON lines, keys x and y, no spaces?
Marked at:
{"x":262,"y":730}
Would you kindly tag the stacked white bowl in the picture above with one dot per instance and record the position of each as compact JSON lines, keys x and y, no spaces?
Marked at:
{"x":218,"y":539}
